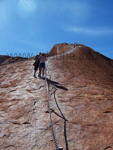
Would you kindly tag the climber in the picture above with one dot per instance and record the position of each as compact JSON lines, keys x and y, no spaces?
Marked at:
{"x":75,"y":44}
{"x":36,"y":63}
{"x":42,"y":65}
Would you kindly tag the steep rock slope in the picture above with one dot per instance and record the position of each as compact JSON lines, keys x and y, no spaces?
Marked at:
{"x":4,"y":59}
{"x":81,"y":99}
{"x":60,"y":48}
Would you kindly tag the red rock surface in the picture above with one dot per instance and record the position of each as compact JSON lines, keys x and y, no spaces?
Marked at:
{"x":60,"y":48}
{"x":7,"y":59}
{"x":81,"y":83}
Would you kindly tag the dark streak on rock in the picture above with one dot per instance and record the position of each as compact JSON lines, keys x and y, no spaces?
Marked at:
{"x":107,"y":112}
{"x":107,"y":147}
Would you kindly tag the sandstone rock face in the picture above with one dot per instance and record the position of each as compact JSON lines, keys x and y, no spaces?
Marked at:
{"x":7,"y":59}
{"x":81,"y":100}
{"x":60,"y":48}
{"x":3,"y":58}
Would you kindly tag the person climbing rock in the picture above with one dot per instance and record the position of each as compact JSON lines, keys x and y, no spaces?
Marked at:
{"x":36,"y":63}
{"x":42,"y":65}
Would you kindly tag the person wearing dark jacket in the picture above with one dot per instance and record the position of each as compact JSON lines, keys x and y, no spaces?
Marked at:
{"x":36,"y":63}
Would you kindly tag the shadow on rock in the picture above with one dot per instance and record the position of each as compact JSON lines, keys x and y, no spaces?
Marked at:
{"x":56,"y":84}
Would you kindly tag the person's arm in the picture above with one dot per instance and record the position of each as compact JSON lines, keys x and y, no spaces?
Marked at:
{"x":39,"y":57}
{"x":45,"y":58}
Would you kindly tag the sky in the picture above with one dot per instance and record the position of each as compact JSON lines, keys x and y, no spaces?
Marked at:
{"x":30,"y":26}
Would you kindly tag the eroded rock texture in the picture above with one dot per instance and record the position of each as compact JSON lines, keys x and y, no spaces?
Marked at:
{"x":81,"y":100}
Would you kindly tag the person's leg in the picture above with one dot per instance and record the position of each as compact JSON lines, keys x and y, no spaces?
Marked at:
{"x":38,"y":65}
{"x":34,"y":73}
{"x":39,"y":71}
{"x":42,"y":71}
{"x":35,"y":69}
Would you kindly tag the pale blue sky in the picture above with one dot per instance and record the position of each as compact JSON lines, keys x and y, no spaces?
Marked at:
{"x":29,"y":26}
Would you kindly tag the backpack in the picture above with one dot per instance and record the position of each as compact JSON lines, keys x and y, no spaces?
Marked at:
{"x":37,"y":58}
{"x":36,"y":63}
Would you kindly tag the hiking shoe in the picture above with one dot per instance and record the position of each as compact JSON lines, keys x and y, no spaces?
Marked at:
{"x":34,"y":76}
{"x":39,"y":76}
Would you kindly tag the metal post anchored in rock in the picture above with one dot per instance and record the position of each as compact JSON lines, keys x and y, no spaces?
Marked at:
{"x":60,"y":148}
